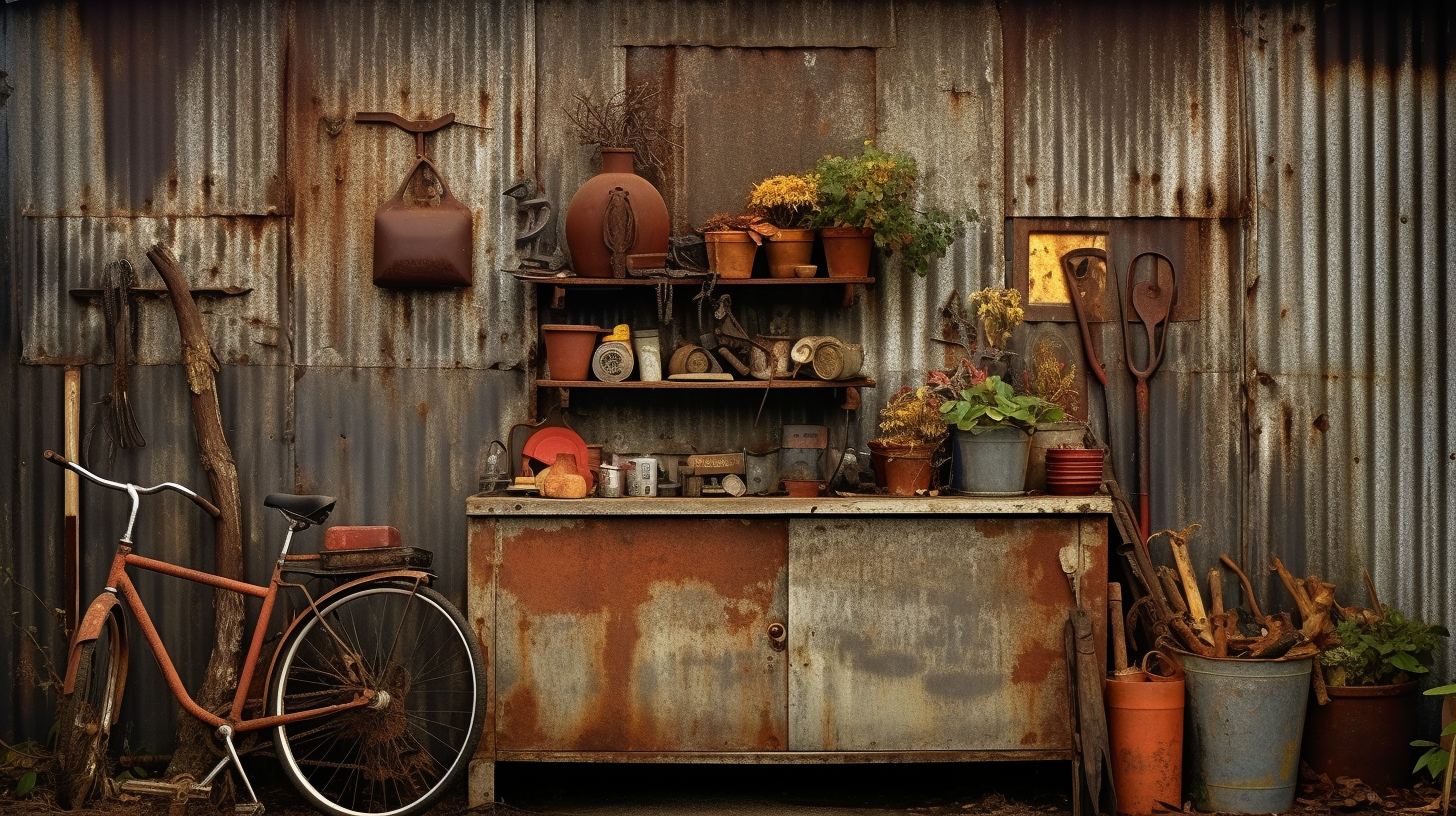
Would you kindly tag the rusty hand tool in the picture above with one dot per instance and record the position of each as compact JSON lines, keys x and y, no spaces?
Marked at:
{"x":1075,"y":266}
{"x":1153,"y":303}
{"x":1243,"y":582}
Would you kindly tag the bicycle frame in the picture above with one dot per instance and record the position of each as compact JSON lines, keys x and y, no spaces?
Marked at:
{"x":120,"y":589}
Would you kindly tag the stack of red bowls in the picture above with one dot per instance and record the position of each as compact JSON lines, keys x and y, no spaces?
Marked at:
{"x":1073,"y":471}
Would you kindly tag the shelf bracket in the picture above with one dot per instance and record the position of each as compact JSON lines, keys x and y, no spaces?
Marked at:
{"x":848,"y":295}
{"x":563,"y":397}
{"x":558,"y":297}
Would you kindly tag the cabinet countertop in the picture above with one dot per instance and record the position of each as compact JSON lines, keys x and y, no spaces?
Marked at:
{"x":512,"y":506}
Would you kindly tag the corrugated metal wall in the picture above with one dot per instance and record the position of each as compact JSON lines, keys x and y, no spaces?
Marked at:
{"x":1301,"y":413}
{"x":1348,"y":318}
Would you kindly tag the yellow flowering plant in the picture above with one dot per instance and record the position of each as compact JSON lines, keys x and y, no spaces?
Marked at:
{"x":913,"y":417}
{"x":787,"y":202}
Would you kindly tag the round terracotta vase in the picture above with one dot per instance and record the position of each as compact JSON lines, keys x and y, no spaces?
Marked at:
{"x":731,"y":253}
{"x":789,"y":249}
{"x":1364,"y":732}
{"x":569,"y":350}
{"x":847,"y":251}
{"x":901,"y":469}
{"x":591,"y":257}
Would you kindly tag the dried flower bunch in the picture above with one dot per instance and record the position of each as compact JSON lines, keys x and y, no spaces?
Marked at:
{"x":999,"y":311}
{"x":628,"y":118}
{"x":1049,"y":377}
{"x":913,"y":417}
{"x":754,"y":225}
{"x":787,"y":202}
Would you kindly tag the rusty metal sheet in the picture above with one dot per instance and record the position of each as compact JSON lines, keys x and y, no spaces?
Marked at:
{"x":1349,"y":323}
{"x":149,"y":108}
{"x":62,"y":319}
{"x":1132,"y":109}
{"x":907,"y":638}
{"x":628,"y":635}
{"x":757,"y":23}
{"x":460,"y":57}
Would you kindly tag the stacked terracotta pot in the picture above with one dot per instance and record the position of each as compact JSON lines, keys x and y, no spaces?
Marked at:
{"x":1073,"y":471}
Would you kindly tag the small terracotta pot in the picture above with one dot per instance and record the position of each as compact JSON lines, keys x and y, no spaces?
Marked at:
{"x":731,"y":253}
{"x":803,"y":488}
{"x":789,"y":249}
{"x":1364,"y":732}
{"x":569,"y":350}
{"x":1145,"y":729}
{"x":901,"y":469}
{"x":847,"y":251}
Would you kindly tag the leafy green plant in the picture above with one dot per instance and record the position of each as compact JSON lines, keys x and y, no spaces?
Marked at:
{"x":1435,"y":759}
{"x":876,"y":190}
{"x":1385,"y":651}
{"x":989,"y":403}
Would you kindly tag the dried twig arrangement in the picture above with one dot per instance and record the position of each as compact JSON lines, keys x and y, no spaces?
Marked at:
{"x":628,"y":118}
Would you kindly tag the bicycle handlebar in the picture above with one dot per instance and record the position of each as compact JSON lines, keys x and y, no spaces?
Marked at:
{"x":56,"y":458}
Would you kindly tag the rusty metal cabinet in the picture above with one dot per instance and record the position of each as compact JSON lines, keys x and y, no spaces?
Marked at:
{"x":768,"y":630}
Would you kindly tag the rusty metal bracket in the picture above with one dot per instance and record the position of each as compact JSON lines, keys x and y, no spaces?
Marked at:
{"x":418,"y":127}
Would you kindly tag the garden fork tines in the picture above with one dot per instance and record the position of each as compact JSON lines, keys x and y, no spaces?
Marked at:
{"x":1153,"y":302}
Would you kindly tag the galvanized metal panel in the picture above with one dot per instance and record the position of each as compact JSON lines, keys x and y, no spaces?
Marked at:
{"x":1132,"y":110}
{"x":903,"y":639}
{"x":403,"y":448}
{"x":168,"y":527}
{"x":420,"y":60}
{"x":625,"y":635}
{"x":1349,"y":323}
{"x":145,"y":108}
{"x":62,"y":255}
{"x":756,"y":23}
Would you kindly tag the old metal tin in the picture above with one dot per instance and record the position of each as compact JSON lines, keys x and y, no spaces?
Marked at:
{"x":610,"y":484}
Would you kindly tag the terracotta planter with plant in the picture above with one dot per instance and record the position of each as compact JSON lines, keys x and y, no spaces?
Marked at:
{"x":786,"y":202}
{"x":733,"y":242}
{"x":1372,"y":675}
{"x":876,"y":191}
{"x":912,"y":431}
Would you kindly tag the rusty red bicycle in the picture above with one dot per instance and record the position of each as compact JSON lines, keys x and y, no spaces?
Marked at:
{"x":375,"y":694}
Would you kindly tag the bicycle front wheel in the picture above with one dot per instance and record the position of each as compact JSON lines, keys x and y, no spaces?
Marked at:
{"x":396,"y":756}
{"x":84,"y":720}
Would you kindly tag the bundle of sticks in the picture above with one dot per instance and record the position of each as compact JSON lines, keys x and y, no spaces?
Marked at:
{"x":1216,"y":630}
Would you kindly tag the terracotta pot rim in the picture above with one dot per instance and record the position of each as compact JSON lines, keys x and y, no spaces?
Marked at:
{"x":846,"y":232}
{"x":727,"y":236}
{"x":921,"y":451}
{"x":1387,"y":690}
{"x":793,"y":235}
{"x":571,"y":327}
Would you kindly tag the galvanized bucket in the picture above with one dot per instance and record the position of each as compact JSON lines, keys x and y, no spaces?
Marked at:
{"x":1245,"y":720}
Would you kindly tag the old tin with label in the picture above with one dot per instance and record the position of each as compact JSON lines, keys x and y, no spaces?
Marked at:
{"x":610,"y":486}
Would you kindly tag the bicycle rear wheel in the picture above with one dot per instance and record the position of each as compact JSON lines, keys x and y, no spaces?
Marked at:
{"x":396,"y":756}
{"x":85,"y":717}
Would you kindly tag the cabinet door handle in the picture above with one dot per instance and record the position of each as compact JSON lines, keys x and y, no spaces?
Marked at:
{"x":778,"y":636}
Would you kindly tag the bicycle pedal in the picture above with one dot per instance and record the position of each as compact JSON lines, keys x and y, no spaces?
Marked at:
{"x":248,"y":809}
{"x":175,"y":790}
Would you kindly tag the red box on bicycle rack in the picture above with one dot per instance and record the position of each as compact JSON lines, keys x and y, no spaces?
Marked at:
{"x":361,"y":538}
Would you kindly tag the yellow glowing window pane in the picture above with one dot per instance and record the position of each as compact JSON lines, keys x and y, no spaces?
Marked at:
{"x":1044,"y":251}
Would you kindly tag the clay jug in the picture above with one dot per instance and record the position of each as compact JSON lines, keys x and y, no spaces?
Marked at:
{"x":616,"y":213}
{"x":563,"y":481}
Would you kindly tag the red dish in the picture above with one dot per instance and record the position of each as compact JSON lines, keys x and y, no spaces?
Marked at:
{"x":547,"y":442}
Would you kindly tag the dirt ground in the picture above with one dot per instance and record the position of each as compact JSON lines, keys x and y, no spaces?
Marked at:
{"x":996,"y":789}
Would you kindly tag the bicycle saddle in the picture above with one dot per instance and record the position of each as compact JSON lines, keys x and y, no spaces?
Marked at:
{"x":305,"y":509}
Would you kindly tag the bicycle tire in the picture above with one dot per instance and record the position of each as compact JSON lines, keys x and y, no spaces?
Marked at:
{"x":399,"y":759}
{"x":86,"y":715}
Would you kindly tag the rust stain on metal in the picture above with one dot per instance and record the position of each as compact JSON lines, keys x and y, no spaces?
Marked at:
{"x":716,"y":579}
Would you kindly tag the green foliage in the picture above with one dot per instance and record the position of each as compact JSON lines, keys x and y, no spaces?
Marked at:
{"x":876,"y":190}
{"x":991,"y":403}
{"x":1434,"y":760}
{"x":1385,"y":652}
{"x":22,"y":764}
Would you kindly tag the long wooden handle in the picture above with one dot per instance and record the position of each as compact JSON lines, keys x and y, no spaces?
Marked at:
{"x":1243,"y":582}
{"x":1190,"y":589}
{"x":1115,"y":624}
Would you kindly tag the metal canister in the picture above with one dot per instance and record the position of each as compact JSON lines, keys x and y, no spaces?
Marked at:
{"x":610,"y":485}
{"x":642,"y":477}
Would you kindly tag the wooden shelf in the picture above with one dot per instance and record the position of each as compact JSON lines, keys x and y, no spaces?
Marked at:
{"x":560,"y":285}
{"x":857,"y":382}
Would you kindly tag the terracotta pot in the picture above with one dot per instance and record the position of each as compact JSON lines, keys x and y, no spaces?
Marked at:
{"x":1047,"y":437}
{"x":569,"y":350}
{"x":731,"y":253}
{"x":901,"y":469}
{"x":1364,"y":732}
{"x":847,"y":251}
{"x":590,"y":255}
{"x":1145,"y":732}
{"x":803,"y":488}
{"x":789,"y":249}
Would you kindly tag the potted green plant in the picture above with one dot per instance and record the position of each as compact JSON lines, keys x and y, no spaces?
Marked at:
{"x":733,"y":242}
{"x":786,"y":202}
{"x":912,"y":430}
{"x":869,"y":200}
{"x":1436,"y":761}
{"x":1371,"y":675}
